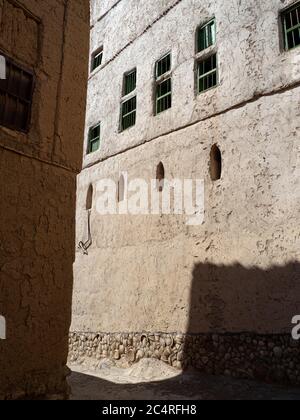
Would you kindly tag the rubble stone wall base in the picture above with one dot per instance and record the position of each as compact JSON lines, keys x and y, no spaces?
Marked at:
{"x":269,"y":358}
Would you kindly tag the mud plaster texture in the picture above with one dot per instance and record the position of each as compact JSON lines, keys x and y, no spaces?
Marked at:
{"x":239,"y":271}
{"x":38,"y":194}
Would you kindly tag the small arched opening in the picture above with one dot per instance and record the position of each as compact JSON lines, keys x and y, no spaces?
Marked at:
{"x":89,"y":198}
{"x":160,"y":176}
{"x":215,"y":163}
{"x":121,"y":189}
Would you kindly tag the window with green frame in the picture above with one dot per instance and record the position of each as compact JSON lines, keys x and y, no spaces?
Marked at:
{"x":207,"y":73}
{"x":128,"y":113}
{"x":163,"y":83}
{"x":206,"y":36}
{"x":164,"y":96}
{"x":291,"y":26}
{"x":163,"y":66}
{"x":97,"y":59}
{"x":129,"y":82}
{"x":94,"y":139}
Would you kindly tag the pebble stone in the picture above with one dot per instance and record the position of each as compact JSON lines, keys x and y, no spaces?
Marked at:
{"x":268,"y":358}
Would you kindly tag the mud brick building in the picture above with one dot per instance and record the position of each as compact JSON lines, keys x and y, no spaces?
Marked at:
{"x":42,"y":107}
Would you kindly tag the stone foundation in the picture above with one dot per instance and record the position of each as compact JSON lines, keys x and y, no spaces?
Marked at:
{"x":270,"y":358}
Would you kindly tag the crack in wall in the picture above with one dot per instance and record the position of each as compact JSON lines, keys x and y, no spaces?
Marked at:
{"x":106,"y":13}
{"x":47,"y":162}
{"x":161,"y":16}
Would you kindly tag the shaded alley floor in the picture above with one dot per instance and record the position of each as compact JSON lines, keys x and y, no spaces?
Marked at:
{"x":152,"y":380}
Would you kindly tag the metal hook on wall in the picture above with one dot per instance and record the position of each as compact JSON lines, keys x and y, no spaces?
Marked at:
{"x":84,"y":246}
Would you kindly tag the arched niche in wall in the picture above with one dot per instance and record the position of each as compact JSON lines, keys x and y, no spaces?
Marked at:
{"x":215,"y":163}
{"x":121,"y":189}
{"x":160,"y":176}
{"x":89,"y":198}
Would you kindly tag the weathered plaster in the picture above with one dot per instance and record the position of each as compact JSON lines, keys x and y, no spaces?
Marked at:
{"x":239,"y":271}
{"x":251,"y":63}
{"x":252,"y":218}
{"x":38,"y":178}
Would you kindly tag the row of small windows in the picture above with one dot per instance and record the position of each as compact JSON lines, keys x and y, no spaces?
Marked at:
{"x":16,"y":91}
{"x":163,"y":92}
{"x":206,"y":34}
{"x":207,"y":73}
{"x":215,"y":174}
{"x":207,"y":79}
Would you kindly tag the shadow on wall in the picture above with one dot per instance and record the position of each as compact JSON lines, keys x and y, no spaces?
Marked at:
{"x":239,"y":333}
{"x":240,"y":326}
{"x":240,"y":322}
{"x":234,"y":298}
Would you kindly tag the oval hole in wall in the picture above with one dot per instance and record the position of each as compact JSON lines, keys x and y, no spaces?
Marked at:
{"x":160,"y":176}
{"x":215,"y":163}
{"x":89,"y":198}
{"x":121,"y":189}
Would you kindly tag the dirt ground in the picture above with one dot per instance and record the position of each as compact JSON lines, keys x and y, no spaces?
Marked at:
{"x":153,"y":380}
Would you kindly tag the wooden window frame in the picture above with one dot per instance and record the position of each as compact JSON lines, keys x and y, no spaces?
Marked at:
{"x":204,"y":28}
{"x":17,"y":96}
{"x":126,"y":75}
{"x":96,"y":54}
{"x":126,"y":98}
{"x":160,"y":79}
{"x":214,"y":71}
{"x":93,"y":140}
{"x":128,"y":114}
{"x":286,"y":30}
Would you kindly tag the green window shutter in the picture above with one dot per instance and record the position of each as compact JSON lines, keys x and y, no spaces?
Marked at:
{"x":163,"y":66}
{"x":97,"y":59}
{"x":128,"y":106}
{"x":129,"y":113}
{"x":207,"y":73}
{"x":206,"y":36}
{"x":129,"y":82}
{"x":163,"y":76}
{"x":164,"y":96}
{"x":94,"y":139}
{"x":291,"y":26}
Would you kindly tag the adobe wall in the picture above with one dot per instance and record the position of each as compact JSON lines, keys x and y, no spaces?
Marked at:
{"x":148,"y":279}
{"x":251,"y":63}
{"x":38,"y":193}
{"x":138,"y":274}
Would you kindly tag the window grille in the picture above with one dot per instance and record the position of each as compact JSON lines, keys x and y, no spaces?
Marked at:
{"x":291,"y":26}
